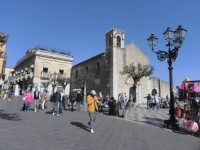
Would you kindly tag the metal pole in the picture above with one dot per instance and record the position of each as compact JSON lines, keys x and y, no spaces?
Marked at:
{"x":172,"y":109}
{"x":54,"y":82}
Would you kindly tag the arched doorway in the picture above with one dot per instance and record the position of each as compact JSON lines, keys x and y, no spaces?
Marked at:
{"x":153,"y":92}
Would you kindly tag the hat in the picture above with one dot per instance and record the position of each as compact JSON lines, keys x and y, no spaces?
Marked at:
{"x":93,"y":92}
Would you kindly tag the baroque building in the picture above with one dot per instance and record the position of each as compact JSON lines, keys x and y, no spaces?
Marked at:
{"x":3,"y":57}
{"x":41,"y":68}
{"x":106,"y":68}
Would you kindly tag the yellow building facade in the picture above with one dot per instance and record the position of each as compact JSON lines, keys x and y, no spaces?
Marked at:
{"x":3,"y":41}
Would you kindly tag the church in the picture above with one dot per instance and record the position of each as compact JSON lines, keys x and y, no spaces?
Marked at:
{"x":104,"y":70}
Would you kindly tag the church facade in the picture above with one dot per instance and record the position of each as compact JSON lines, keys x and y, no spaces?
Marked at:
{"x":106,"y":68}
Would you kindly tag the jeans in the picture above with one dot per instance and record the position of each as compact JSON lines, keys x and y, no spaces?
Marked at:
{"x":157,"y":105}
{"x":92,"y":119}
{"x":27,"y":106}
{"x":148,"y":104}
{"x":56,"y":107}
{"x":121,"y":105}
{"x":77,"y":106}
{"x":36,"y":101}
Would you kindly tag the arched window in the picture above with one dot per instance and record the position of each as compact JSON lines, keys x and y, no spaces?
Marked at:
{"x":118,"y":41}
{"x":86,"y":69}
{"x":98,"y":67}
{"x":45,"y":69}
{"x":76,"y":73}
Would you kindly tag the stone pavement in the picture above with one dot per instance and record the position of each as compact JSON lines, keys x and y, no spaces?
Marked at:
{"x":145,"y":116}
{"x":42,"y":131}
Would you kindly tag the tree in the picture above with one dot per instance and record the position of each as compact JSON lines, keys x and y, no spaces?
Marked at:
{"x":136,"y":73}
{"x":63,"y":81}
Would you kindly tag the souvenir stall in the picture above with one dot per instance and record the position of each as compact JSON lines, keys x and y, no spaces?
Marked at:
{"x":189,"y":111}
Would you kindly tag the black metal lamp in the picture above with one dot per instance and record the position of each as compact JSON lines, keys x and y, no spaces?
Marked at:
{"x":174,"y":41}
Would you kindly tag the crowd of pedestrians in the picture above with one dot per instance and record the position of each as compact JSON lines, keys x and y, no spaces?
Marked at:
{"x":55,"y":102}
{"x":156,"y":102}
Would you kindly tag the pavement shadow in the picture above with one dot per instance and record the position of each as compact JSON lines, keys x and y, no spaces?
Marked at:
{"x":151,"y":121}
{"x":80,"y":125}
{"x":185,"y":132}
{"x":10,"y":117}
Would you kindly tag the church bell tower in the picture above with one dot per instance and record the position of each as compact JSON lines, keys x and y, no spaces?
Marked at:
{"x":114,"y":38}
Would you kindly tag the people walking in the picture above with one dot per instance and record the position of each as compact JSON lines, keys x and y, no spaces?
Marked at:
{"x":36,"y":96}
{"x":92,"y":107}
{"x":28,"y":100}
{"x":43,"y":97}
{"x":57,"y":100}
{"x":148,"y":101}
{"x":72,"y":100}
{"x":157,"y":101}
{"x":47,"y":103}
{"x":122,"y":100}
{"x":78,"y":100}
{"x":61,"y":101}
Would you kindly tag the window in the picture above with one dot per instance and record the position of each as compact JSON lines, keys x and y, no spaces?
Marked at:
{"x":98,"y":67}
{"x":118,"y":41}
{"x":45,"y":69}
{"x":76,"y":73}
{"x":61,"y":71}
{"x":86,"y":69}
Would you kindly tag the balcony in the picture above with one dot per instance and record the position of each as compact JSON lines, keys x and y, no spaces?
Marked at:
{"x":45,"y":75}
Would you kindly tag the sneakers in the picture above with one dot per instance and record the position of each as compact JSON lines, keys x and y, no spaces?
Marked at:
{"x":53,"y":114}
{"x":92,"y":131}
{"x":35,"y":110}
{"x":57,"y":115}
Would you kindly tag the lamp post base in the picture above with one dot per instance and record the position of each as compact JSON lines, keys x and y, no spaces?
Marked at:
{"x":173,"y":123}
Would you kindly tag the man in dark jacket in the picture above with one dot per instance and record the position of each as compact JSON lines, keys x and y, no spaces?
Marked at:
{"x":78,"y":100}
{"x":36,"y":97}
{"x":72,"y":100}
{"x":57,"y":101}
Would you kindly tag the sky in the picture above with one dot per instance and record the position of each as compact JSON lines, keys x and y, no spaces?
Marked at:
{"x":79,"y":27}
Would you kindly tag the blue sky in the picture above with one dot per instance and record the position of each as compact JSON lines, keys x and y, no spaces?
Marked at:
{"x":79,"y":26}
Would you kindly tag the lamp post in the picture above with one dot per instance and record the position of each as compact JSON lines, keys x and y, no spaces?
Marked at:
{"x":54,"y":81}
{"x":174,"y":41}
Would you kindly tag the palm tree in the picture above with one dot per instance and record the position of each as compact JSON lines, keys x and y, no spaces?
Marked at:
{"x":136,"y":73}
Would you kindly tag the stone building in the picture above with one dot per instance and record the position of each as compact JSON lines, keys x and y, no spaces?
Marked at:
{"x":41,"y":68}
{"x":106,"y":68}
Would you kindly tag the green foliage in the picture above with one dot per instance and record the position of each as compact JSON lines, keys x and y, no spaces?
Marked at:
{"x":46,"y":84}
{"x":63,"y":80}
{"x":137,"y":72}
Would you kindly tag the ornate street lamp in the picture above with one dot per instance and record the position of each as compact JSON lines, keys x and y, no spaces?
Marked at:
{"x":174,"y":41}
{"x":54,"y":80}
